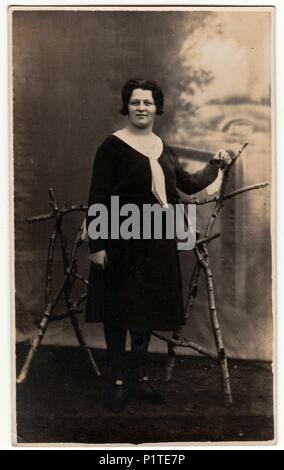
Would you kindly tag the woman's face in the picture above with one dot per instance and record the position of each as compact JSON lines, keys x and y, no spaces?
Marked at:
{"x":141,"y":108}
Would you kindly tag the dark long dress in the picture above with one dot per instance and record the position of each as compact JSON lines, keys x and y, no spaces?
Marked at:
{"x":141,"y":287}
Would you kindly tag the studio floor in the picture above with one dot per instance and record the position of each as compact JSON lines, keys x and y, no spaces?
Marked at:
{"x":61,"y":402}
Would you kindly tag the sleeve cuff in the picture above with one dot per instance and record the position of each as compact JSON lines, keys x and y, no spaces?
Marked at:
{"x":96,"y":245}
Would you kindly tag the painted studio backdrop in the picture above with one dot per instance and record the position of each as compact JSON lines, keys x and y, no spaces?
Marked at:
{"x":215,"y":69}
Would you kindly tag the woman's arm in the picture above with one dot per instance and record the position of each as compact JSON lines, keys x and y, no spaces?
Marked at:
{"x":192,"y":183}
{"x":100,"y":189}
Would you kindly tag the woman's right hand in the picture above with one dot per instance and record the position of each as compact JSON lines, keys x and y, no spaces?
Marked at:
{"x":99,"y":259}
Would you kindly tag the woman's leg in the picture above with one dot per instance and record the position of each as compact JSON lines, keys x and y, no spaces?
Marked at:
{"x":139,"y":346}
{"x":115,"y":340}
{"x":141,"y":384}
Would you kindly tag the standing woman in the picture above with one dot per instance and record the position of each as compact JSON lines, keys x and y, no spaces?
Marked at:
{"x":135,"y":284}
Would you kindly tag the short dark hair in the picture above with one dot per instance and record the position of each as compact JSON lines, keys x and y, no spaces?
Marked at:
{"x":131,"y":85}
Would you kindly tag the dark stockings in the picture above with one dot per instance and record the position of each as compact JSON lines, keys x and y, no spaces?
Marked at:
{"x":115,"y":340}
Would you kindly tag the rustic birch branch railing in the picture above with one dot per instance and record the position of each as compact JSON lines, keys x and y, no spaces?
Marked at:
{"x":71,"y":274}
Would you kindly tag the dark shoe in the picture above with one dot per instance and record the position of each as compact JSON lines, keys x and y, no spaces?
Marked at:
{"x":145,"y":391}
{"x":116,"y":397}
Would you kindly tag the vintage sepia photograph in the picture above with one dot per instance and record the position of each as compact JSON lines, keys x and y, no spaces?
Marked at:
{"x":142,"y":202}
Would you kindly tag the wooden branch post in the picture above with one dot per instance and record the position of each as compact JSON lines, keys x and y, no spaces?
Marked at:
{"x":70,"y":275}
{"x":203,"y":263}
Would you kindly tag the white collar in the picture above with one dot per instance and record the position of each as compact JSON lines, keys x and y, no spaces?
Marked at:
{"x":157,"y":148}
